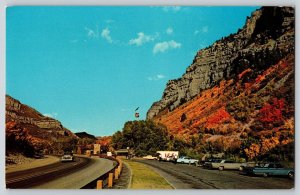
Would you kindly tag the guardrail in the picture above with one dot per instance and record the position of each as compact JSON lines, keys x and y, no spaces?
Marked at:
{"x":107,"y":179}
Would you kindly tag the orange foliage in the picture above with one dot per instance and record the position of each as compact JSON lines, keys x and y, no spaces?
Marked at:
{"x":218,"y":117}
{"x":104,"y":141}
{"x":244,"y":72}
{"x":253,"y":151}
{"x":268,"y":144}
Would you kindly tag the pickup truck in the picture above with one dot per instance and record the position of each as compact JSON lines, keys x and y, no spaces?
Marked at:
{"x":225,"y":164}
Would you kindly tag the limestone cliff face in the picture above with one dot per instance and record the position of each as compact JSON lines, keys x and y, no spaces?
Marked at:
{"x":15,"y":111}
{"x":265,"y":38}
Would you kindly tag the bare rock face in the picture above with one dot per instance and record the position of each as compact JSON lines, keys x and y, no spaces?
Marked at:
{"x":267,"y":36}
{"x":20,"y":113}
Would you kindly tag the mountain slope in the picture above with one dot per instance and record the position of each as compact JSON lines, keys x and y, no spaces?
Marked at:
{"x":238,"y":95}
{"x":27,"y":129}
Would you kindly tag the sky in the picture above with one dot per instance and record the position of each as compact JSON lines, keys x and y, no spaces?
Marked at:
{"x":91,"y":67}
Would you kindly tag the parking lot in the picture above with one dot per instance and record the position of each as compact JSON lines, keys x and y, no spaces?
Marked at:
{"x":183,"y":176}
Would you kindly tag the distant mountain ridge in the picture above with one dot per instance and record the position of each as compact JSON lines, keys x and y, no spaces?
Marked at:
{"x":85,"y":135}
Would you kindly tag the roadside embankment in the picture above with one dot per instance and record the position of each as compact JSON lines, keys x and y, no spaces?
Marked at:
{"x":29,"y":163}
{"x":145,"y":178}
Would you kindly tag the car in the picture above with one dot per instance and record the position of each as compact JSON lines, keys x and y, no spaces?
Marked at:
{"x":187,"y":160}
{"x":269,"y":169}
{"x":150,"y":157}
{"x":208,"y":163}
{"x":222,"y":164}
{"x":67,"y":158}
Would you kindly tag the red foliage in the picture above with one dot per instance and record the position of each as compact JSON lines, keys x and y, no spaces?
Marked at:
{"x":272,"y":112}
{"x":219,"y":116}
{"x":244,"y":72}
{"x":283,"y":64}
{"x":104,"y":141}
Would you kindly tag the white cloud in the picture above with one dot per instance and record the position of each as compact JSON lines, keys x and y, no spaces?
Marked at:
{"x":171,"y":8}
{"x":156,"y":77}
{"x":105,"y":34}
{"x":166,"y":45}
{"x":169,"y":30}
{"x":92,"y":33}
{"x":51,"y":115}
{"x":204,"y":29}
{"x":141,"y":39}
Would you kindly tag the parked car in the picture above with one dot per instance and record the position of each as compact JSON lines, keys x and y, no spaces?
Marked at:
{"x":207,"y":164}
{"x":225,"y":164}
{"x":150,"y":157}
{"x":247,"y":165}
{"x":187,"y":160}
{"x":269,"y":169}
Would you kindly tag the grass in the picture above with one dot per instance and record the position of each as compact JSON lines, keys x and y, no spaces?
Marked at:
{"x":145,"y":178}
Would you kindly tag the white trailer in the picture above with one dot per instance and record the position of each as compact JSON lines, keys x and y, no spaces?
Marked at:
{"x":167,"y":155}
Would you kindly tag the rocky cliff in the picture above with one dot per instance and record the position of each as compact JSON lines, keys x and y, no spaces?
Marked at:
{"x":237,"y":97}
{"x":266,"y":37}
{"x":15,"y":111}
{"x":28,"y":129}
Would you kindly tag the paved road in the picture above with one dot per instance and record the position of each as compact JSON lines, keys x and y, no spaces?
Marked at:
{"x":183,"y":176}
{"x":79,"y":179}
{"x":35,"y":176}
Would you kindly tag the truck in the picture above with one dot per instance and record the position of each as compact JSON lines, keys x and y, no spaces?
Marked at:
{"x":167,"y":155}
{"x":222,"y":164}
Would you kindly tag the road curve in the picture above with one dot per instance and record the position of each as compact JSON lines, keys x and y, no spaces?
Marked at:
{"x":81,"y":178}
{"x":183,"y":176}
{"x":33,"y":177}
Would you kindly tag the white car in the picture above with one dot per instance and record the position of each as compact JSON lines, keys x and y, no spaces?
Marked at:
{"x":150,"y":157}
{"x":67,"y":158}
{"x":187,"y":160}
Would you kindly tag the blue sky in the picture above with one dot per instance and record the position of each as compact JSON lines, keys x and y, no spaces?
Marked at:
{"x":91,"y":67}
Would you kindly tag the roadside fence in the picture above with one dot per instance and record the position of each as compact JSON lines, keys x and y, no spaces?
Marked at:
{"x":108,"y":179}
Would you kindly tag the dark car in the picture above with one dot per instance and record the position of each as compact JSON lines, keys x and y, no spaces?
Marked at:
{"x":208,"y":164}
{"x":269,"y":169}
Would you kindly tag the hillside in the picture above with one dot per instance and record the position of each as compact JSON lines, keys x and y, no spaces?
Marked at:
{"x":29,"y":132}
{"x":237,"y":96}
{"x":83,"y":135}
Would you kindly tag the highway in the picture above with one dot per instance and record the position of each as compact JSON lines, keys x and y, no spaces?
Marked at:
{"x":33,"y":177}
{"x":68,"y":175}
{"x":183,"y":176}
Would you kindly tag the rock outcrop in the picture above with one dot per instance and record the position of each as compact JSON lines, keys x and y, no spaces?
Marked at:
{"x":29,"y":132}
{"x":266,"y":38}
{"x":15,"y":111}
